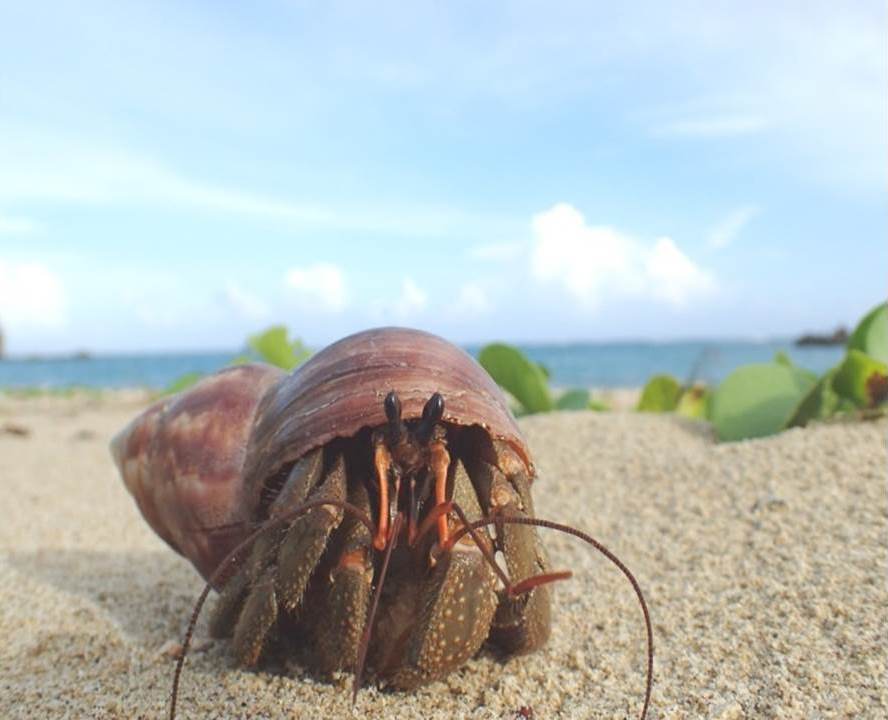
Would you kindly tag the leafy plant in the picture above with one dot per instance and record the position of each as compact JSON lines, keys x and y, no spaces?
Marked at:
{"x":271,"y":346}
{"x":528,"y":382}
{"x":183,"y":382}
{"x":871,"y":334}
{"x":861,"y":379}
{"x":694,"y":402}
{"x":660,"y":394}
{"x":757,"y":400}
{"x":765,"y":398}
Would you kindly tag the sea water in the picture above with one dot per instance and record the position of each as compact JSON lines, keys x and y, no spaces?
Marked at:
{"x":603,"y":365}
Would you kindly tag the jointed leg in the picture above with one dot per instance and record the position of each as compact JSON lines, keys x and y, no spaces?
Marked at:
{"x":522,"y":623}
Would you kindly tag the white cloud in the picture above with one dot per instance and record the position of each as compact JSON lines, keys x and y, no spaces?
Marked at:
{"x":413,"y":299}
{"x":31,"y":295}
{"x":244,"y":304}
{"x":40,"y":165}
{"x":730,"y":227}
{"x":319,"y":286}
{"x":11,"y":225}
{"x":672,"y":276}
{"x":472,"y":299}
{"x":596,"y":263}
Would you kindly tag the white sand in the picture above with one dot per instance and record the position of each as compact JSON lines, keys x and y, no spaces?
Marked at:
{"x":763,"y":564}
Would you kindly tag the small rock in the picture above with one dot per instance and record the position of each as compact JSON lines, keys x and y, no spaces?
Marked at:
{"x":172,"y":649}
{"x":15,"y":429}
{"x":728,"y":711}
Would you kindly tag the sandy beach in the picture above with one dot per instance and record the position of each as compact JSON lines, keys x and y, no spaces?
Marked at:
{"x":763,"y":563}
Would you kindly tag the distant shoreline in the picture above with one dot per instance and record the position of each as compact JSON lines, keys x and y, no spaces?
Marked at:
{"x":598,"y":365}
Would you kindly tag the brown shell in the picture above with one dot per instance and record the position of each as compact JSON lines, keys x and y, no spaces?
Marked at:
{"x":341,"y":390}
{"x":182,"y":460}
{"x":196,"y":463}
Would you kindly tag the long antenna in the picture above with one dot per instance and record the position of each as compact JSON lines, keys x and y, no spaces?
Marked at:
{"x":604,"y":551}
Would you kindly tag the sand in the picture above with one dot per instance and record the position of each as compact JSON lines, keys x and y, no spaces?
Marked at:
{"x":763,"y":563}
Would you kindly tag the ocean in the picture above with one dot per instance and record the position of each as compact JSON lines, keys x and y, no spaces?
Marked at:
{"x":603,"y":365}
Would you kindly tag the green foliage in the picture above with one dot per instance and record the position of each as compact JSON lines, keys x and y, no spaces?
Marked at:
{"x":871,"y":334}
{"x":528,"y":382}
{"x":183,"y":382}
{"x":598,"y":405}
{"x":862,"y":379}
{"x":522,"y":378}
{"x":573,"y":400}
{"x":660,"y":394}
{"x":763,"y":399}
{"x":757,"y":400}
{"x":273,"y":347}
{"x":820,"y":402}
{"x":694,"y":402}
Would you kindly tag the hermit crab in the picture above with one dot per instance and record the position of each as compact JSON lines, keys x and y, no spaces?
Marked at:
{"x":373,"y":509}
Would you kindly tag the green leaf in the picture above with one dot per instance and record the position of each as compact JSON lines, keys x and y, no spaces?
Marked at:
{"x":659,"y":395}
{"x":862,"y":379}
{"x":521,"y":377}
{"x":756,"y":400}
{"x":573,"y":400}
{"x":183,"y":382}
{"x":693,"y":402}
{"x":781,"y":358}
{"x":274,"y":348}
{"x":598,"y":405}
{"x":820,"y":402}
{"x":871,"y":334}
{"x":241,"y":360}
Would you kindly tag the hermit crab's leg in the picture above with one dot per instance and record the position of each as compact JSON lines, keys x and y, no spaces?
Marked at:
{"x":300,"y":551}
{"x":346,"y":596}
{"x":258,"y":616}
{"x":521,"y":623}
{"x":306,"y":538}
{"x":301,"y":479}
{"x":456,"y":604}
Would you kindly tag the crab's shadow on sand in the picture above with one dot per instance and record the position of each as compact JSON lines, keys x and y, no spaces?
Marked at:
{"x":148,"y":595}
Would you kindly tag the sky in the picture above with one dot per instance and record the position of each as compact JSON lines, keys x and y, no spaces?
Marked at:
{"x":175,"y":176}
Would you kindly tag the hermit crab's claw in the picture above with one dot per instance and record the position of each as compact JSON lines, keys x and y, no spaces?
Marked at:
{"x":182,"y":460}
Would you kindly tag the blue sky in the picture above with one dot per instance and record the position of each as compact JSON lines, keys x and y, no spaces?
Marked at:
{"x":175,"y":176}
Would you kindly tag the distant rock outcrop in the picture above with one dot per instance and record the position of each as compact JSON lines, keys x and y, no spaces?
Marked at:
{"x":2,"y":346}
{"x":838,"y":337}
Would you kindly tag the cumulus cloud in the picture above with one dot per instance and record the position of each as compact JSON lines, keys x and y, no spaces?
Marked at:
{"x":672,"y":276}
{"x":31,"y":295}
{"x":730,"y":227}
{"x":593,"y":263}
{"x":320,"y":286}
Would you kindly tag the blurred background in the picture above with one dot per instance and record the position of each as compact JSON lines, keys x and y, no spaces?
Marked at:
{"x":618,"y":190}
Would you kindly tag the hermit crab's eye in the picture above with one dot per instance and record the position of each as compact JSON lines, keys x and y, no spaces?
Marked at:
{"x":431,"y":414}
{"x":393,"y":415}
